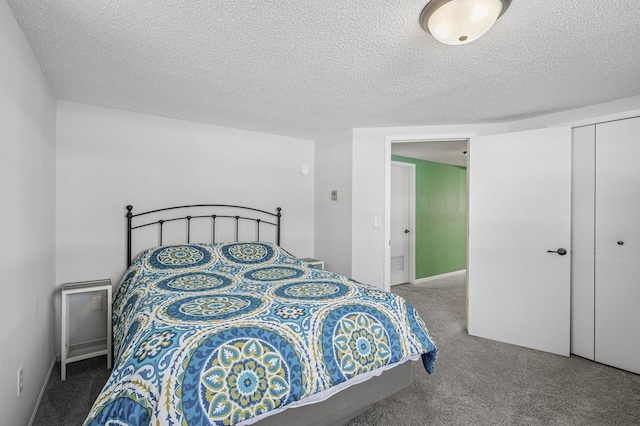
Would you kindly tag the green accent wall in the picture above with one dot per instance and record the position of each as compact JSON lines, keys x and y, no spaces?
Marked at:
{"x":441,"y":217}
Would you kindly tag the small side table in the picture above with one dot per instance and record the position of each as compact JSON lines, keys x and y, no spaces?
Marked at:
{"x":314,"y":262}
{"x":71,"y":353}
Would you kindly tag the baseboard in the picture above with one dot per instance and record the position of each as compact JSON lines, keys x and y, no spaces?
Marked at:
{"x":42,"y":391}
{"x":439,"y":277}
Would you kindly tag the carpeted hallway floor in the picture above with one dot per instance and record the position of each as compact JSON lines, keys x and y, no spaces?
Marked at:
{"x":476,"y":382}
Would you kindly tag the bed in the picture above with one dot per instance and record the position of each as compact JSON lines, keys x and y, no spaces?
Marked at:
{"x":242,"y":332}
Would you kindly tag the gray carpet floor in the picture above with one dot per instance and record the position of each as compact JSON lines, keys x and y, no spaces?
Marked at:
{"x":483,"y":382}
{"x":68,"y":403}
{"x":476,"y":381}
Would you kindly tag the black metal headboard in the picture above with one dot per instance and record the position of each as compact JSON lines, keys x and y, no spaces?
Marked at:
{"x":213,"y":217}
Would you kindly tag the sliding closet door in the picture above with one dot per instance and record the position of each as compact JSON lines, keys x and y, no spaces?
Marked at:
{"x":617,"y":295}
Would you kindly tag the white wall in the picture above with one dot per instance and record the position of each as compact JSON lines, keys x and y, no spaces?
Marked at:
{"x":108,"y":158}
{"x":27,"y":252}
{"x":333,"y":167}
{"x":370,"y":158}
{"x":614,"y":110}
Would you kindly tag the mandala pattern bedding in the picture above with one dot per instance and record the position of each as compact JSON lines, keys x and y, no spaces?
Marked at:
{"x":221,"y":333}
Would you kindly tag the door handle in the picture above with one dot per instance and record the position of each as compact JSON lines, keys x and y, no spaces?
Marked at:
{"x":406,"y":231}
{"x":560,"y":251}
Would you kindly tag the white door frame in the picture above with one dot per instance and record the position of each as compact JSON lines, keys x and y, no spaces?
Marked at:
{"x":387,"y":187}
{"x":412,"y":221}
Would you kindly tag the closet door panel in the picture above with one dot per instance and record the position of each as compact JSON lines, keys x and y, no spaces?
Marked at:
{"x":617,"y":289}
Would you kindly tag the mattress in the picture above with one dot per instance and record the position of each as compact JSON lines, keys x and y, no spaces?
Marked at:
{"x":230,"y":333}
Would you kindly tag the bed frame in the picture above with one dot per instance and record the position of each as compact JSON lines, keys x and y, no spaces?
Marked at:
{"x":339,"y":408}
{"x":212,"y":214}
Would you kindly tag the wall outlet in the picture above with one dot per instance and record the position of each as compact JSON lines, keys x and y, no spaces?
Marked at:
{"x":96,"y":303}
{"x":20,"y":381}
{"x":334,"y":195}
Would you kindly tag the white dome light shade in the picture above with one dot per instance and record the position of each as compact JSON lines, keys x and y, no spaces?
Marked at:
{"x":461,"y":21}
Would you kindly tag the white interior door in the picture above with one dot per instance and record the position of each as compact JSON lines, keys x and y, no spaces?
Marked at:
{"x":519,"y":209}
{"x":617,"y":288}
{"x":400,"y":222}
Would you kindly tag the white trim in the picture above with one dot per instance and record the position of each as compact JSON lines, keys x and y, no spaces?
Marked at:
{"x":42,"y":391}
{"x":466,"y":320}
{"x":386,"y":285}
{"x":619,"y":109}
{"x":411,"y":265}
{"x":438,"y":277}
{"x":599,"y":120}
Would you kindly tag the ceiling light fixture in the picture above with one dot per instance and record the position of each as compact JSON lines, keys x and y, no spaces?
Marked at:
{"x":461,"y":21}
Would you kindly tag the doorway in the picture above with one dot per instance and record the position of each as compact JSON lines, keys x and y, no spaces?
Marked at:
{"x":439,"y":228}
{"x":509,"y":285}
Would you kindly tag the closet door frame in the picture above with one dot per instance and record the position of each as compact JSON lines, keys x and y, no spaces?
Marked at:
{"x":583,"y":157}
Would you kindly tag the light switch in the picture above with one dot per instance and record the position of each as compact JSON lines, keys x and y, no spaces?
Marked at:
{"x":377,"y":222}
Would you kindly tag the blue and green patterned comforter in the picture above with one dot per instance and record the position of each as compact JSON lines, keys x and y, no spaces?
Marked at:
{"x":221,"y":333}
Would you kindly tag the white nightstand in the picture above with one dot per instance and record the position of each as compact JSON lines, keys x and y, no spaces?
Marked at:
{"x":71,"y":353}
{"x":314,"y":262}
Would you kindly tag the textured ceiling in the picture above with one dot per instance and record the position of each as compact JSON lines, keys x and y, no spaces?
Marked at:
{"x":307,"y":68}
